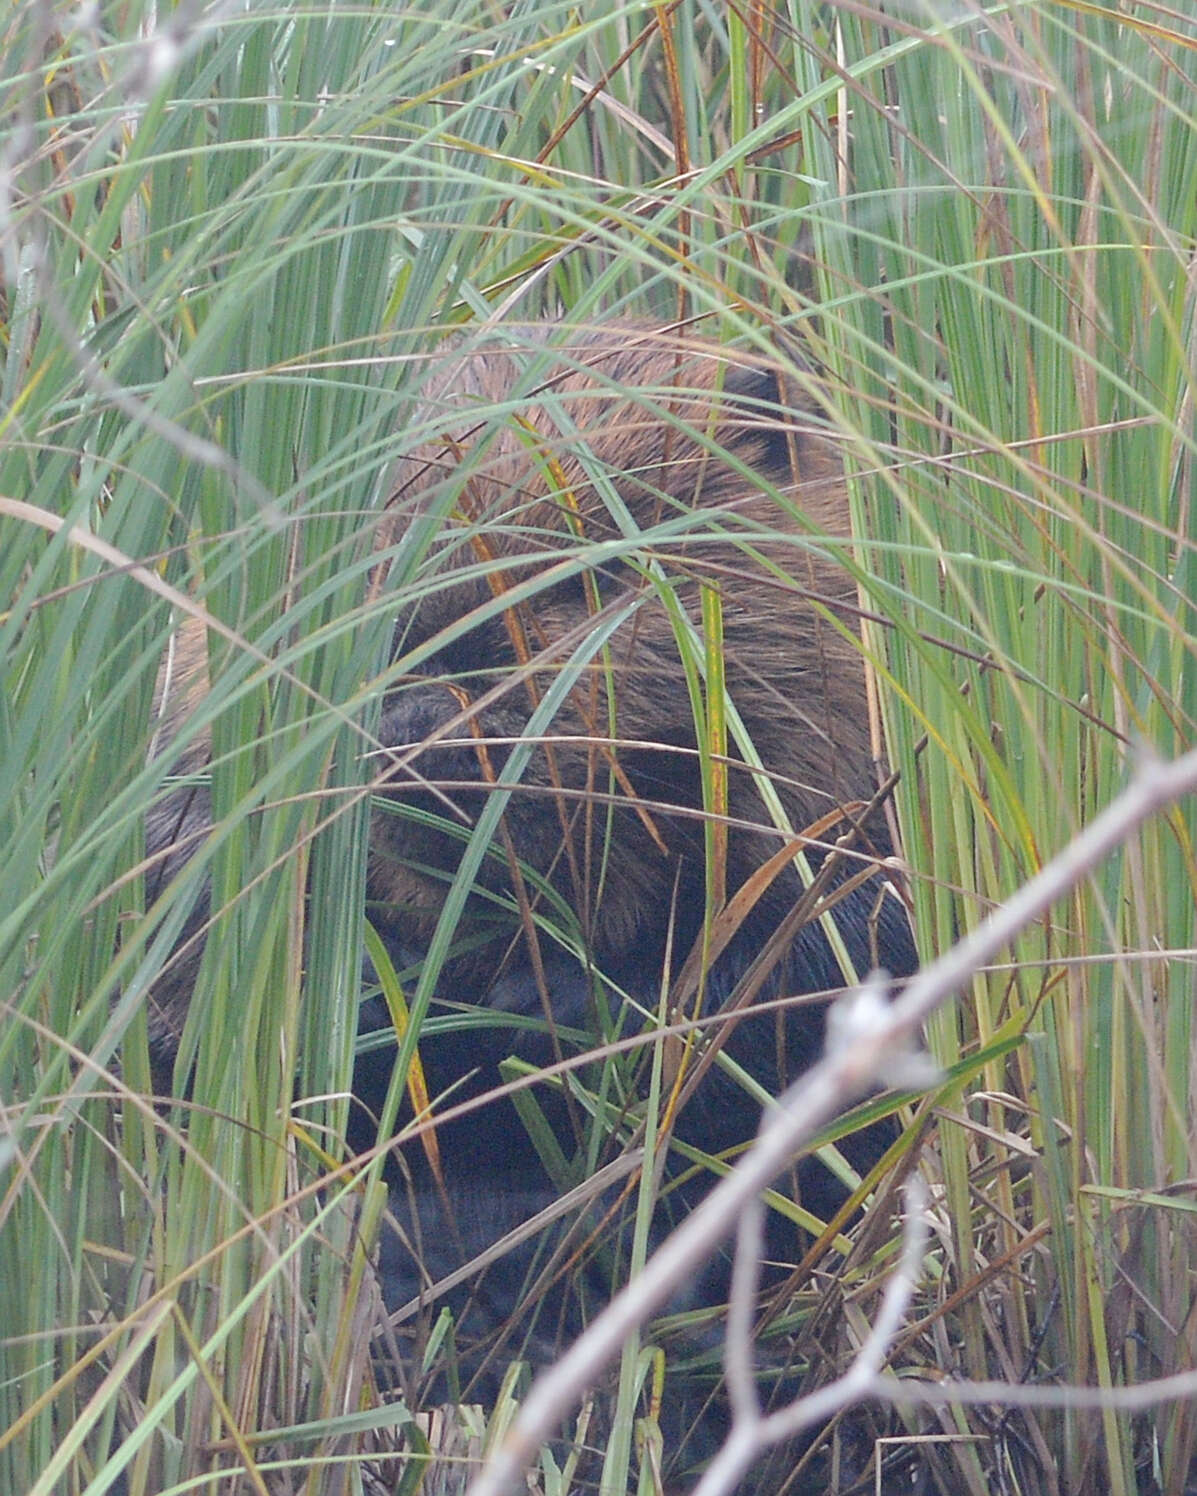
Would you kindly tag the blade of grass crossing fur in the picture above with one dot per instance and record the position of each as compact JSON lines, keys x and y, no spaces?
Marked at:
{"x":617,"y":1463}
{"x":480,"y":840}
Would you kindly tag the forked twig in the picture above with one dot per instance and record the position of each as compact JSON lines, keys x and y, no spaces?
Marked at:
{"x":878,"y":1050}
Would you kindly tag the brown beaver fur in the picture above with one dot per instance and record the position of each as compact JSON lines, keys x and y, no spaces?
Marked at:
{"x":546,"y":507}
{"x":574,"y":478}
{"x":567,"y":500}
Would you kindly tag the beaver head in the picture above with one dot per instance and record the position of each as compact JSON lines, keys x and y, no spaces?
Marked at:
{"x":584,"y":511}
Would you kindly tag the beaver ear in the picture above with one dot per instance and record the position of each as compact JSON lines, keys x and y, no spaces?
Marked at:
{"x":776,"y":401}
{"x":790,"y":351}
{"x":758,"y":386}
{"x":777,"y":385}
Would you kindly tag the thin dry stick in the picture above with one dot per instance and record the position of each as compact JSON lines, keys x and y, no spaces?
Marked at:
{"x":751,"y":1433}
{"x":879,"y":1052}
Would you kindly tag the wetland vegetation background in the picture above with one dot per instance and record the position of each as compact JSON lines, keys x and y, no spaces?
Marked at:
{"x":227,"y":231}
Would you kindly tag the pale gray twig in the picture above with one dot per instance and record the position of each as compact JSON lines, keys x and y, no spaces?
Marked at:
{"x":741,"y":1314}
{"x":751,"y":1433}
{"x":870,"y":1059}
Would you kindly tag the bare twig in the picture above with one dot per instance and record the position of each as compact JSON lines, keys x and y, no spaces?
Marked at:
{"x":879,"y":1053}
{"x":751,"y":1434}
{"x":741,"y":1314}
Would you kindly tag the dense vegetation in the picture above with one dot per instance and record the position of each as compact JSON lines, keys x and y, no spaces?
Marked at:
{"x":226,"y":232}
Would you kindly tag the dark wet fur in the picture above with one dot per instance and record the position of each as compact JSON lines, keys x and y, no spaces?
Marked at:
{"x":634,"y":877}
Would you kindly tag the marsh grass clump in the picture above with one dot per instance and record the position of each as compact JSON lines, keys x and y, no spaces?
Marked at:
{"x":231,"y":248}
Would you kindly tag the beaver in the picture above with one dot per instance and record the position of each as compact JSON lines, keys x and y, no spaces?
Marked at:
{"x":624,"y":646}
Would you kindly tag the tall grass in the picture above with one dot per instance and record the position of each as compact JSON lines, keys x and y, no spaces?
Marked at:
{"x":1008,"y":298}
{"x":226,"y":236}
